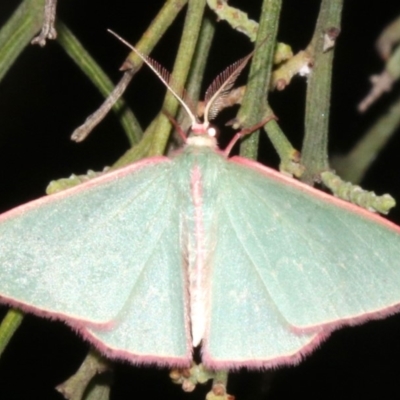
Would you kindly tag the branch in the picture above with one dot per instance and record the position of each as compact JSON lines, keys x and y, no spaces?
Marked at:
{"x":84,"y":379}
{"x":17,"y":33}
{"x":356,"y":195}
{"x":8,"y":327}
{"x":389,"y":37}
{"x":253,"y":107}
{"x":315,"y":145}
{"x":354,"y":165}
{"x":149,"y":39}
{"x":102,"y":82}
{"x":383,"y":82}
{"x":180,"y":72}
{"x":49,"y":18}
{"x":235,"y":17}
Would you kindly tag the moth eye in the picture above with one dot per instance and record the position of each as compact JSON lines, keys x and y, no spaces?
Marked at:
{"x":212,"y":131}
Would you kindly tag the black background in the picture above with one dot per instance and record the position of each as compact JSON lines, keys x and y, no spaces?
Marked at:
{"x":44,"y":97}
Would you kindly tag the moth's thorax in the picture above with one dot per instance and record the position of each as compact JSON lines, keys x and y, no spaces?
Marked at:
{"x":202,"y":140}
{"x":202,"y":134}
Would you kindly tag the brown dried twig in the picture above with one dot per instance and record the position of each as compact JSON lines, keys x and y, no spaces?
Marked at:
{"x":48,"y":30}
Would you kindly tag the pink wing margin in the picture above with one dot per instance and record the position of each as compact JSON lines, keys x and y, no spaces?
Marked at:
{"x":277,"y":176}
{"x":107,"y":177}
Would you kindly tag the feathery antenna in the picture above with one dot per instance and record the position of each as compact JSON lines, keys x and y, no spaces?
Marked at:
{"x":162,"y":74}
{"x":219,"y":88}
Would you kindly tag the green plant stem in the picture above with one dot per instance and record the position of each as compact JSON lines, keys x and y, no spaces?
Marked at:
{"x":221,"y":376}
{"x":191,"y":29}
{"x":389,"y":37}
{"x":196,"y":73}
{"x":235,"y":17}
{"x":200,"y":59}
{"x":393,"y":64}
{"x":98,"y":77}
{"x":139,"y":151}
{"x":77,"y":384}
{"x":354,"y":165}
{"x":356,"y":195}
{"x":8,"y":326}
{"x":253,"y":107}
{"x":315,"y":145}
{"x":156,"y":30}
{"x":218,"y":389}
{"x":289,"y":156}
{"x":17,"y":33}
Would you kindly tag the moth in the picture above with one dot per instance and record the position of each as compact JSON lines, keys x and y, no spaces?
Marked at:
{"x":157,"y":258}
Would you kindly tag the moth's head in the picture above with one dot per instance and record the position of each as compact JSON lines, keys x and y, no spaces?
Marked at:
{"x":202,"y":134}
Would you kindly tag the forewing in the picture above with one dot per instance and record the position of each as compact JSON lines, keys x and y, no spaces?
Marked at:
{"x":101,"y":251}
{"x":290,"y":265}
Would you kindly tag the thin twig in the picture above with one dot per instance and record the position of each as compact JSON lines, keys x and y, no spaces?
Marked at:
{"x":83,"y":131}
{"x":191,"y":29}
{"x":197,"y":69}
{"x":315,"y":145}
{"x":357,"y":195}
{"x":355,"y":164}
{"x":300,"y":64}
{"x":235,"y":17}
{"x":253,"y":106}
{"x":383,"y":82}
{"x":149,"y":39}
{"x":101,"y":81}
{"x":8,"y":327}
{"x":18,"y":31}
{"x":49,"y":18}
{"x":77,"y":384}
{"x":389,"y":37}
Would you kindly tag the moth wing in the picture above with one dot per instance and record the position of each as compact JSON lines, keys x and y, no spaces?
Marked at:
{"x":98,"y":252}
{"x":290,"y":265}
